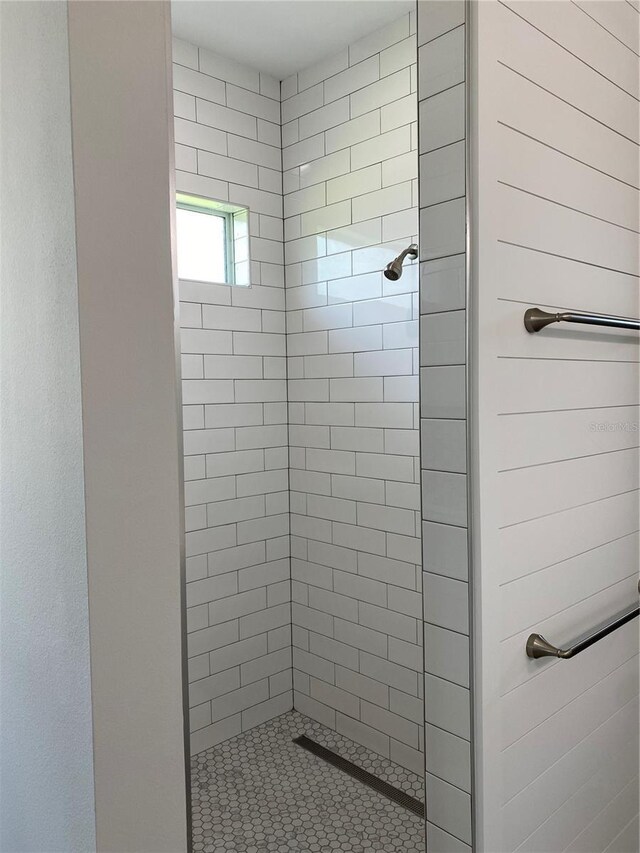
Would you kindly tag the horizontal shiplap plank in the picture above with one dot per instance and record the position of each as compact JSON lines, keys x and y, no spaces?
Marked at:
{"x":581,"y":36}
{"x":541,"y":490}
{"x":527,"y":548}
{"x":539,"y":385}
{"x":535,"y":278}
{"x":541,"y":224}
{"x":539,"y":169}
{"x":528,"y":51}
{"x":531,"y":110}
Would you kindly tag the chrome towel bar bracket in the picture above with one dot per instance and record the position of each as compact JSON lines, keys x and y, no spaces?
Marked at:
{"x":538,"y":647}
{"x":536,"y":319}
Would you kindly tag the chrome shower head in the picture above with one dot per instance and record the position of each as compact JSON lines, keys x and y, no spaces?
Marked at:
{"x":393,"y":271}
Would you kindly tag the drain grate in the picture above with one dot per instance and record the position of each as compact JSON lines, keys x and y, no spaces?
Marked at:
{"x":382,"y":787}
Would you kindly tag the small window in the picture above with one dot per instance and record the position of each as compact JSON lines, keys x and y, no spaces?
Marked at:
{"x":213,"y":240}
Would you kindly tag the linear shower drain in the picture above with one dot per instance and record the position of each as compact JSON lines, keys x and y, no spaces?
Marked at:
{"x":379,"y":785}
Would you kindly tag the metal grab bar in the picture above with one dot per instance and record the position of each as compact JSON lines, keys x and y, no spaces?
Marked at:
{"x":538,"y":647}
{"x":536,"y":319}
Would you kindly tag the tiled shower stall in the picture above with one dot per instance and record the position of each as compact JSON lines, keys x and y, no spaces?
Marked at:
{"x":301,"y":401}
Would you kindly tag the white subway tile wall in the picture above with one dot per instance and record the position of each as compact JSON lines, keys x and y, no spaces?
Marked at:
{"x":443,"y":429}
{"x":350,"y":206}
{"x":235,"y":409}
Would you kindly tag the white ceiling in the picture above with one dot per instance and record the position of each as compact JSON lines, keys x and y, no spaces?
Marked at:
{"x":280,"y":37}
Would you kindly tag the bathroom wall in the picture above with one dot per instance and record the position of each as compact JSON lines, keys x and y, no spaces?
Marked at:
{"x":46,"y":679}
{"x":556,"y":221}
{"x":443,"y":320}
{"x":235,"y":411}
{"x":350,"y":205}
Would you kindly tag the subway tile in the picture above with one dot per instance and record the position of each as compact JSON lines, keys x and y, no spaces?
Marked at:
{"x":447,"y":654}
{"x":391,"y":724}
{"x":407,"y":654}
{"x":361,"y":588}
{"x":359,"y":538}
{"x":186,"y":158}
{"x":360,"y":637}
{"x":226,"y":69}
{"x":208,"y":441}
{"x":224,"y":119}
{"x":325,"y":218}
{"x":442,"y":174}
{"x":186,"y":182}
{"x":308,"y":101}
{"x":444,"y":446}
{"x":184,"y":106}
{"x":362,"y":686}
{"x":256,"y":105}
{"x":388,"y":89}
{"x":206,"y":391}
{"x":446,"y":602}
{"x":322,"y":119}
{"x":201,"y":85}
{"x":366,"y":735}
{"x":209,"y":688}
{"x":442,"y":119}
{"x":382,"y":147}
{"x":254,"y":152}
{"x":444,"y":338}
{"x":450,"y":808}
{"x":438,"y":17}
{"x":395,"y":171}
{"x":442,"y":284}
{"x":400,"y":55}
{"x":302,"y":153}
{"x":441,"y":63}
{"x":227,"y":169}
{"x":398,"y":113}
{"x":382,"y":202}
{"x":437,"y":839}
{"x":445,"y":550}
{"x":449,"y":757}
{"x":444,"y":497}
{"x":200,"y":136}
{"x":270,"y":134}
{"x":354,"y":184}
{"x":265,"y":620}
{"x":389,"y":673}
{"x":356,"y":236}
{"x":308,"y":198}
{"x":442,"y":229}
{"x":355,"y":340}
{"x":324,"y":167}
{"x":394,"y":415}
{"x":184,"y":53}
{"x":356,"y":77}
{"x":443,"y":392}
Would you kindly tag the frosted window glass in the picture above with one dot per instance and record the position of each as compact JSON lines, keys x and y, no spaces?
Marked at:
{"x":201,"y":246}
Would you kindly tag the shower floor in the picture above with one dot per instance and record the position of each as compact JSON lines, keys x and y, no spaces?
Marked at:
{"x":259,"y":791}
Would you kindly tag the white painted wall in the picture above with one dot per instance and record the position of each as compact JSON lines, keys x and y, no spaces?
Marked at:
{"x":556,"y":223}
{"x":47,"y":765}
{"x":122,"y":168}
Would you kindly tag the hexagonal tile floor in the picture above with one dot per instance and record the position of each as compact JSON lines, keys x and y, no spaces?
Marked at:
{"x":261,"y":792}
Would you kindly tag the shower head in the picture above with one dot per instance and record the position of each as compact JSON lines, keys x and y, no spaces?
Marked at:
{"x":393,"y":271}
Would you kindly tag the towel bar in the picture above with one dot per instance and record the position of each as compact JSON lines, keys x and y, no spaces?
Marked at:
{"x":536,"y":319}
{"x":538,"y":647}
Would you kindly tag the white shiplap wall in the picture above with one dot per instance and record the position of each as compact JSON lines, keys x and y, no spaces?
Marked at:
{"x":350,"y":204}
{"x":235,"y":410}
{"x":556,"y":224}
